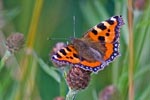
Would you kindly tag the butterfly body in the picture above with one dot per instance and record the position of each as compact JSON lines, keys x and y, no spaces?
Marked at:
{"x":87,"y":50}
{"x":96,"y":49}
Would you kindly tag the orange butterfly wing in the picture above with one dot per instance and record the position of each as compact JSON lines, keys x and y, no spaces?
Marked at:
{"x":107,"y":33}
{"x":68,"y":55}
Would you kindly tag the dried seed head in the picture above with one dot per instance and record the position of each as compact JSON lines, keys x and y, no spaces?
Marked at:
{"x":58,"y":46}
{"x":78,"y":78}
{"x":110,"y":93}
{"x":15,"y":42}
{"x":139,"y":4}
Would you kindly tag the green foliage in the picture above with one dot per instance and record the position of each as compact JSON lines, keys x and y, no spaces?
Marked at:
{"x":30,"y":75}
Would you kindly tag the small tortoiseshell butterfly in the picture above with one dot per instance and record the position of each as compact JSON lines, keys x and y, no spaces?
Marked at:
{"x":96,"y":49}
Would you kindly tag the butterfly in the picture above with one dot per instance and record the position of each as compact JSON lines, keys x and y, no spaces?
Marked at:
{"x":98,"y":47}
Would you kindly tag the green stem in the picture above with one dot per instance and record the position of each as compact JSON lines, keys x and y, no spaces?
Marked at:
{"x":5,"y":57}
{"x":71,"y":94}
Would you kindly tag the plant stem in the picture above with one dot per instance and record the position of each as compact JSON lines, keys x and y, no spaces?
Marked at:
{"x":131,"y":55}
{"x":5,"y":57}
{"x":28,"y":60}
{"x":71,"y":94}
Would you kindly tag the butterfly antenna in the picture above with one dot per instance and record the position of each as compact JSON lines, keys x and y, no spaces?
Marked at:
{"x":56,"y":38}
{"x":74,"y":28}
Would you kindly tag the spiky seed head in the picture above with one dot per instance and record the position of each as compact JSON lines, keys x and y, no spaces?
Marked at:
{"x":78,"y":78}
{"x":15,"y":42}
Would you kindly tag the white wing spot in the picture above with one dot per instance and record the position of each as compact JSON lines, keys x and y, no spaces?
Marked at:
{"x":115,"y":49}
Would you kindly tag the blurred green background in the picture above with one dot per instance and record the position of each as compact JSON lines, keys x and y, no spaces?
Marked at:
{"x":30,"y":75}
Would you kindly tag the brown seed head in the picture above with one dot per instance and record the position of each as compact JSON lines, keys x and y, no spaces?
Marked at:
{"x":15,"y":42}
{"x":58,"y":46}
{"x":139,"y":4}
{"x":110,"y":93}
{"x":78,"y":78}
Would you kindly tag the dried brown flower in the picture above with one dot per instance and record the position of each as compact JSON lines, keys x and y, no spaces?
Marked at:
{"x":58,"y":46}
{"x":15,"y":42}
{"x":78,"y":78}
{"x":139,"y":4}
{"x":110,"y":93}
